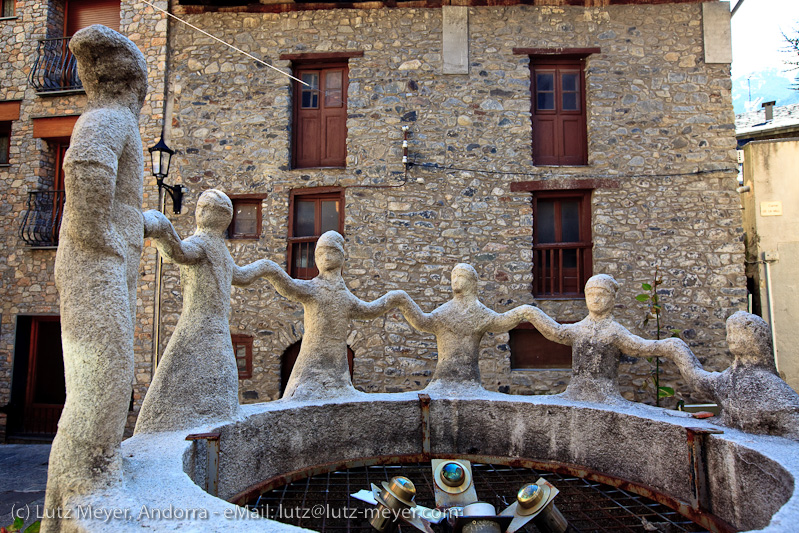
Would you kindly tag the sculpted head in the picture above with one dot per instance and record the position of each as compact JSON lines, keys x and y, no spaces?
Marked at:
{"x":464,"y":279}
{"x":214,"y":211}
{"x":600,"y":293}
{"x":110,"y":66}
{"x":749,"y":339}
{"x":329,"y":253}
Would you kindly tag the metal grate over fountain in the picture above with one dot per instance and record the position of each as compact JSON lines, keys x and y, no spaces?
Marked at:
{"x":323,"y":502}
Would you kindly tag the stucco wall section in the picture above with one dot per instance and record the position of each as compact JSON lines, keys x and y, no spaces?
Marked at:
{"x":770,"y":172}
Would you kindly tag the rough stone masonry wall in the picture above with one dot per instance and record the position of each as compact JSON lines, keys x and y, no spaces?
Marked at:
{"x":26,"y":278}
{"x":660,"y":121}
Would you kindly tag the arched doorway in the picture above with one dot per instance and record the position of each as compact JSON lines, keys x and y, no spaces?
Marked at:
{"x":290,"y":357}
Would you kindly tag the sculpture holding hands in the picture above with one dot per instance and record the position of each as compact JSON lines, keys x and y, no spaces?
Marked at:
{"x":459,"y":325}
{"x":198,"y":363}
{"x":597,"y":343}
{"x":750,"y":394}
{"x":321,"y":369}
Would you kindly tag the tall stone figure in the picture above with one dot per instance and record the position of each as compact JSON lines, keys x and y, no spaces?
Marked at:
{"x":97,"y":266}
{"x":197,"y":381}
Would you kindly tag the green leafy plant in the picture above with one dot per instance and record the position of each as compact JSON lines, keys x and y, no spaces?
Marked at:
{"x":18,"y":524}
{"x":654,"y":312}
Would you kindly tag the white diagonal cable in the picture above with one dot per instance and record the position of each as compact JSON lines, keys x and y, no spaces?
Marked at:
{"x":239,"y":50}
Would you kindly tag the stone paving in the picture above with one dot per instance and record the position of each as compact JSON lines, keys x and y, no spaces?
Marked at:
{"x":23,"y":477}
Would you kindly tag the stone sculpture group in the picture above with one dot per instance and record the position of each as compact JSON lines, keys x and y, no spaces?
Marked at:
{"x":196,"y":383}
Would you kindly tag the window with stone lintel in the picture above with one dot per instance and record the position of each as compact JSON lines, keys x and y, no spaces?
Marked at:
{"x":319,"y":109}
{"x":558,"y":106}
{"x":5,"y":142}
{"x":311,"y":213}
{"x":8,"y":8}
{"x":562,"y":247}
{"x":247,"y":217}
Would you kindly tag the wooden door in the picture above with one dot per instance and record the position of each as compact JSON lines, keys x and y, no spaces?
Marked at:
{"x":45,"y":391}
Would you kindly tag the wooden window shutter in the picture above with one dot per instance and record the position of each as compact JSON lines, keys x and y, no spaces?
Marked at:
{"x":84,"y":13}
{"x":558,"y":108}
{"x":320,"y":116}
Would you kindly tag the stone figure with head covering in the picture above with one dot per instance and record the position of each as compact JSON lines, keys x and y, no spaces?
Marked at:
{"x":196,"y":381}
{"x":97,"y":267}
{"x":459,"y":325}
{"x":597,"y":343}
{"x":321,"y":370}
{"x":750,"y":393}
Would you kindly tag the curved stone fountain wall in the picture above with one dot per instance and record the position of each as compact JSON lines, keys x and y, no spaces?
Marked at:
{"x":750,"y":485}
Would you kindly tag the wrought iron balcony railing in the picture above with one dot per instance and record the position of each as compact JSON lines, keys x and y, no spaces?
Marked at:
{"x":55,"y":68}
{"x":42,"y":220}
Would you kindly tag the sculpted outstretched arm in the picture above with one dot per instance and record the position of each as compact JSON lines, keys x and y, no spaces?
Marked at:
{"x":690,"y":367}
{"x":174,"y":250}
{"x":296,"y":290}
{"x":549,"y":328}
{"x":415,"y":316}
{"x":633,"y":345}
{"x":245,"y":275}
{"x":502,"y":322}
{"x":367,"y":310}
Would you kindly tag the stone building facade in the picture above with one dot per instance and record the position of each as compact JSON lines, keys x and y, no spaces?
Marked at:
{"x":658,"y":183}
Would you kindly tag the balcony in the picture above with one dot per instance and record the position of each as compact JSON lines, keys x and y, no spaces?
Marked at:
{"x":55,"y":69}
{"x":42,"y":220}
{"x":561,"y":269}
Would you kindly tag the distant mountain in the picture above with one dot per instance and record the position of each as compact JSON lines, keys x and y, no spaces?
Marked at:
{"x":765,"y":85}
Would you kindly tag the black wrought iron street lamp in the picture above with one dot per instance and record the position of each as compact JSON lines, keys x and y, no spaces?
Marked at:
{"x":161,"y":156}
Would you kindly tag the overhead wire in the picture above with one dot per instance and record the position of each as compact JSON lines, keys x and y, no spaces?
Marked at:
{"x":239,"y":50}
{"x":436,"y":166}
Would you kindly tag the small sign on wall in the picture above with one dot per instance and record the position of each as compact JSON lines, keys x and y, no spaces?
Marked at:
{"x":770,"y":209}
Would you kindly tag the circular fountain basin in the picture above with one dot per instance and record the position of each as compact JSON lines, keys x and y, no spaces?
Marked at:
{"x":720,"y":480}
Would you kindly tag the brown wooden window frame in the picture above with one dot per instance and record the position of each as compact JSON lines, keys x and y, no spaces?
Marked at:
{"x":300,"y":135}
{"x":559,"y":65}
{"x":246,"y":199}
{"x":8,"y":9}
{"x":548,"y":282}
{"x":5,"y":142}
{"x":238,"y":340}
{"x":519,"y":362}
{"x":317,"y":194}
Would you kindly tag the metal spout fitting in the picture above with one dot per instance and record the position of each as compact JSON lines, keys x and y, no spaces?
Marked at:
{"x":393,"y":500}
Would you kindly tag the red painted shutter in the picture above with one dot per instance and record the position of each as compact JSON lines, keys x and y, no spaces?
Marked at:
{"x":84,"y":13}
{"x":529,"y":349}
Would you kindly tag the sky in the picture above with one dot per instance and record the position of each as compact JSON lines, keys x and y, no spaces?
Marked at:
{"x":757,"y":40}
